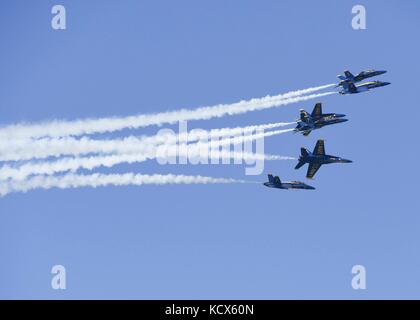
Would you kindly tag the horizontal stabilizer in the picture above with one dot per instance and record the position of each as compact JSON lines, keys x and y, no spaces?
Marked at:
{"x":300,"y":164}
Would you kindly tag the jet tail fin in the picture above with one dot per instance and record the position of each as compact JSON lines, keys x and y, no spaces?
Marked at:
{"x":304,"y":152}
{"x":303,"y":115}
{"x":348,"y":74}
{"x":270,"y":178}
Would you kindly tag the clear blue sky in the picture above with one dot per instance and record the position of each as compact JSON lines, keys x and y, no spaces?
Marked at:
{"x":217,"y":241}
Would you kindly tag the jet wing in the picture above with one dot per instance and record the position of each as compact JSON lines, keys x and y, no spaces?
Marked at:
{"x":319,"y":149}
{"x":317,"y":112}
{"x":306,"y":133}
{"x":312,"y":169}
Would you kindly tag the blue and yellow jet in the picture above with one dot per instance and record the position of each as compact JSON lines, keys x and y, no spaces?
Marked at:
{"x":351,"y":88}
{"x":317,"y":158}
{"x":349,"y":77}
{"x":275,"y":182}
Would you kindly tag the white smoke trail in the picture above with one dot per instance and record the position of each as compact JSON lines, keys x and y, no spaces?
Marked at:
{"x":148,"y":152}
{"x":98,"y":180}
{"x":251,"y":137}
{"x":90,"y":126}
{"x":89,"y":163}
{"x":23,"y":149}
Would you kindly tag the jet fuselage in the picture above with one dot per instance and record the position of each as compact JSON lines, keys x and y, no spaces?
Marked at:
{"x":327,"y":120}
{"x":323,"y":159}
{"x":350,"y":88}
{"x":289,"y":185}
{"x":275,"y":182}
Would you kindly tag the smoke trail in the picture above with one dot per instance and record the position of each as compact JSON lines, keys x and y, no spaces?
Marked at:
{"x":251,"y":137}
{"x":149,"y":152}
{"x":89,"y":126}
{"x":99,"y":180}
{"x":89,"y":163}
{"x":23,"y":149}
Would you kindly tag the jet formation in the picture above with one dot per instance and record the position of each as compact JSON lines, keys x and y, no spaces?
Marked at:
{"x":316,"y":120}
{"x":348,"y":81}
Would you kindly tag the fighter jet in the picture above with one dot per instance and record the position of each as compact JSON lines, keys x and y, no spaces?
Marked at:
{"x":349,"y":77}
{"x":350,"y":87}
{"x":317,"y":158}
{"x":316,"y":120}
{"x":274,"y":182}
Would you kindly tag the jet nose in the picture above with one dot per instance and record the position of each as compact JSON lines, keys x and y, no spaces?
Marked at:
{"x":338,"y":115}
{"x":347,"y":161}
{"x":341,"y":120}
{"x":381,"y":72}
{"x":386,"y":83}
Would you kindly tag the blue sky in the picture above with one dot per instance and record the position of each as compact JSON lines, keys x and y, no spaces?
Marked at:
{"x":217,"y":241}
